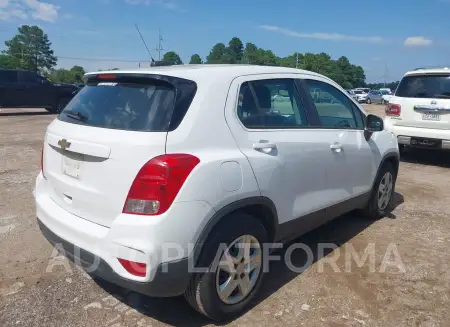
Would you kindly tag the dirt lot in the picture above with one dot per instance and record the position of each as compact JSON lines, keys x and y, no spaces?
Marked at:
{"x":407,"y":284}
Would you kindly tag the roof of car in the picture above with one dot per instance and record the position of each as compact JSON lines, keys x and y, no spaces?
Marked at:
{"x":196,"y":72}
{"x":429,"y":70}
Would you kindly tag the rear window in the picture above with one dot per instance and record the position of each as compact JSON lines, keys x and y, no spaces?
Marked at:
{"x":145,"y":106}
{"x":424,"y":86}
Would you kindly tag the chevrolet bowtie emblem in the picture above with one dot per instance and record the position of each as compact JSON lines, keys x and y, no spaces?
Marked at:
{"x":64,"y":144}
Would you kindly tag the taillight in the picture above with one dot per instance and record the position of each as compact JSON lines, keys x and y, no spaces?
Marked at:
{"x":393,"y":109}
{"x":158,"y":183}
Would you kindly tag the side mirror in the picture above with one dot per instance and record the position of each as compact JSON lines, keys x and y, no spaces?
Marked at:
{"x":374,"y":124}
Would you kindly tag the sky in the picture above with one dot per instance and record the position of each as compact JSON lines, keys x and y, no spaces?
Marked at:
{"x":386,"y":37}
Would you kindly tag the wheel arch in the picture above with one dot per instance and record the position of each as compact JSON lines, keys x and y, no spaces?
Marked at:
{"x":260,"y":207}
{"x":392,"y":158}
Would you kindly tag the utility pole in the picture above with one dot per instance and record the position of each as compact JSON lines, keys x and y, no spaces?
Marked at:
{"x":385,"y":74}
{"x":159,"y":47}
{"x":296,"y":62}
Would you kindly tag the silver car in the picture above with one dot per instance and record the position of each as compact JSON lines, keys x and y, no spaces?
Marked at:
{"x":374,"y":96}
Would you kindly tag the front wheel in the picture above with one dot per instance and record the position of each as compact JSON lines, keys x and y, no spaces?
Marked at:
{"x":381,"y":199}
{"x":233,"y":254}
{"x":368,"y":101}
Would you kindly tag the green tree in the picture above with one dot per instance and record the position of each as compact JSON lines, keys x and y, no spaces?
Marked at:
{"x":77,"y":70}
{"x":32,"y":48}
{"x":62,"y":75}
{"x":216,"y":54}
{"x":196,"y":59}
{"x":173,"y":58}
{"x":291,"y":61}
{"x":10,"y":62}
{"x":250,"y":55}
{"x":237,"y":48}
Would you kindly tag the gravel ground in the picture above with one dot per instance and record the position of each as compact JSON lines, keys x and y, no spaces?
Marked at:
{"x":405,"y":283}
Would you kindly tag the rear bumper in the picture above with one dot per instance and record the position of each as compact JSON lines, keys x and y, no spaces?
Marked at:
{"x":169,"y":280}
{"x":164,"y":243}
{"x":419,"y":137}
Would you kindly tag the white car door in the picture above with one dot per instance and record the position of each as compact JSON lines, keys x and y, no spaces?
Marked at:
{"x":269,"y":123}
{"x":354,"y":158}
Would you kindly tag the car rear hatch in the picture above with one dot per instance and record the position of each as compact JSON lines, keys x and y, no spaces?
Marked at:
{"x":108,"y":131}
{"x":424,"y":101}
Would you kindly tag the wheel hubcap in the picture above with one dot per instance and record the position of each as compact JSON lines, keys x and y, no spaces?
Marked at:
{"x":385,"y":190}
{"x":238,"y":270}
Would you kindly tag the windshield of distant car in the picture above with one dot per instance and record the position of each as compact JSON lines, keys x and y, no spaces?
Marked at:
{"x":384,"y":92}
{"x":425,"y":86}
{"x":358,"y":92}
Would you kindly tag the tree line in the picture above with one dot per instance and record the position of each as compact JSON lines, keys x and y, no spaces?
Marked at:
{"x":340,"y":70}
{"x":30,"y":49}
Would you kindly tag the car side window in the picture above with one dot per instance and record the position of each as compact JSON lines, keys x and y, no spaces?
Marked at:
{"x":270,"y":104}
{"x":8,"y":76}
{"x":333,"y":107}
{"x":359,"y":116}
{"x":29,"y":77}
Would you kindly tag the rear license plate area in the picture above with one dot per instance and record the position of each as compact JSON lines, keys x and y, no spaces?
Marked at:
{"x":432,"y":117}
{"x":426,"y":143}
{"x":71,"y":164}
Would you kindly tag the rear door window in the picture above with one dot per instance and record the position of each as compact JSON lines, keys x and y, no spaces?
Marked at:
{"x":133,"y":106}
{"x":425,"y":86}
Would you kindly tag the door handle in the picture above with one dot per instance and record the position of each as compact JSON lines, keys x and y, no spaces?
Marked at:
{"x":264,"y":146}
{"x":336,"y":146}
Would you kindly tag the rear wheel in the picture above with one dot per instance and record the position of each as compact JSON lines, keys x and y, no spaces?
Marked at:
{"x":380,"y":202}
{"x":233,"y":254}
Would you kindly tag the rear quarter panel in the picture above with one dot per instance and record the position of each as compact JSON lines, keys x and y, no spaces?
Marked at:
{"x":224,"y":174}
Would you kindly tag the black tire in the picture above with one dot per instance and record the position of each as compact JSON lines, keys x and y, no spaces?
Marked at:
{"x":373,"y":210}
{"x":368,"y":101}
{"x":201,"y":292}
{"x":401,"y":148}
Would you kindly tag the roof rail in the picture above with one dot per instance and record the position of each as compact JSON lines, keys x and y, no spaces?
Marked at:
{"x":433,"y":67}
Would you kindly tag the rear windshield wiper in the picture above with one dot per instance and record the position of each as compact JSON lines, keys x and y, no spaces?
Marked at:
{"x":76,"y":115}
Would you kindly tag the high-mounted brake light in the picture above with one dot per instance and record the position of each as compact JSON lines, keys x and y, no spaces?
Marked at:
{"x":158,"y":183}
{"x":393,"y":109}
{"x":106,"y":76}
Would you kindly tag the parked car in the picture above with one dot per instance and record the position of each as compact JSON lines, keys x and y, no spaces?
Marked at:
{"x":419,"y":111}
{"x":130,"y":168}
{"x":386,"y":95}
{"x":360,"y":96}
{"x":374,"y":96}
{"x":20,"y":88}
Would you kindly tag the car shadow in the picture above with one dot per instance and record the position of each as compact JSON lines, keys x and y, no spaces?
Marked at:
{"x":176,"y":311}
{"x":426,"y":157}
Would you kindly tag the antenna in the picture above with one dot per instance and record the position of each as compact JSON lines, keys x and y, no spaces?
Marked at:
{"x":143,"y":41}
{"x":159,"y":47}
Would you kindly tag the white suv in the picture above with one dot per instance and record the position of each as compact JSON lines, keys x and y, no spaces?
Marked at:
{"x":148,"y":174}
{"x":419,"y":112}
